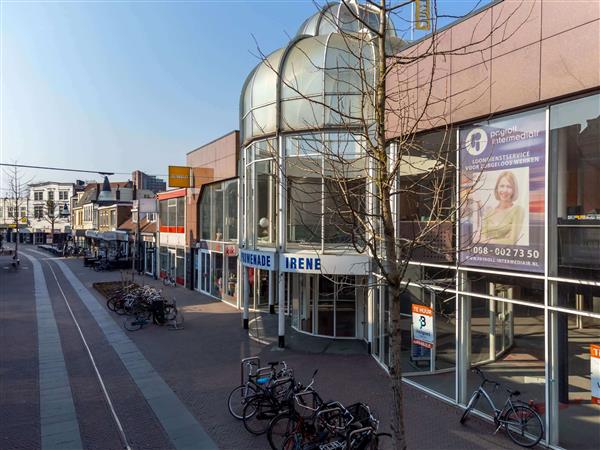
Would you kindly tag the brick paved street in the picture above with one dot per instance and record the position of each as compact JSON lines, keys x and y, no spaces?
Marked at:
{"x":200,"y":365}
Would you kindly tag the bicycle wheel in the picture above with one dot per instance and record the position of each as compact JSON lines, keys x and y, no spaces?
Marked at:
{"x":237,"y":400}
{"x":523,"y":425}
{"x":258,"y":413}
{"x":110,"y":304}
{"x":470,"y":406}
{"x":280,"y":428}
{"x":133,"y":323}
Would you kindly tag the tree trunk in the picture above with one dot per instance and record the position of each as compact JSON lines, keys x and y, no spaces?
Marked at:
{"x":399,"y":435}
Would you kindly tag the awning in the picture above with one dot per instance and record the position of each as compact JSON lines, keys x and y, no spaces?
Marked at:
{"x":114,"y":236}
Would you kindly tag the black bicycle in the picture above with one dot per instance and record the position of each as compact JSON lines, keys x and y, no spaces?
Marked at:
{"x":521,"y":422}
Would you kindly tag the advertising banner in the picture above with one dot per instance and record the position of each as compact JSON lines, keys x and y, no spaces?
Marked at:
{"x":422,"y":323}
{"x":595,"y":370}
{"x":502,"y":183}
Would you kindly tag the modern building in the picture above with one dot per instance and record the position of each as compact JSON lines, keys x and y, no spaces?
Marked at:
{"x":519,"y":102}
{"x":212,"y":218}
{"x":148,"y":182}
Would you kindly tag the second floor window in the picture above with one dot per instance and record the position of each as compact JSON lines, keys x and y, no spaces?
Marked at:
{"x":50,"y":195}
{"x":38,"y":212}
{"x":63,"y":195}
{"x":38,"y":195}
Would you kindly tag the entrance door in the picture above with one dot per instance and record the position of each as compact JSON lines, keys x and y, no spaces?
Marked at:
{"x":172,"y":262}
{"x":204,"y":269}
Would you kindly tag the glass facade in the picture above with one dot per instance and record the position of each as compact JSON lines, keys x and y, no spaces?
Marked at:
{"x":507,"y":211}
{"x":215,"y":258}
{"x":531,"y":329}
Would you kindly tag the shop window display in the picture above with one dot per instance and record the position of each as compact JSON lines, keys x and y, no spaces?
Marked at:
{"x":578,"y":412}
{"x":575,"y":145}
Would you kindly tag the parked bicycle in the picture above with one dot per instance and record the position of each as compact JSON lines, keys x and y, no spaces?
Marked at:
{"x":253,"y":380}
{"x":169,"y":280}
{"x":521,"y":422}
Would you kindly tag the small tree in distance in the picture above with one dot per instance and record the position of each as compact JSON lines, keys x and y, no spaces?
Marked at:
{"x":18,"y":195}
{"x":50,"y":216}
{"x":388,"y":193}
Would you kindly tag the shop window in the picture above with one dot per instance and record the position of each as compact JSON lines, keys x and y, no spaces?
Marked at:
{"x":575,"y":145}
{"x":507,"y":343}
{"x":579,"y":419}
{"x":514,"y":288}
{"x":164,"y":261}
{"x":325,"y":306}
{"x":426,"y":195}
{"x":216,"y":199}
{"x":304,"y":192}
{"x":231,"y":288}
{"x":180,"y":266}
{"x":231,"y":209}
{"x":432,"y":362}
{"x":216,"y":288}
{"x":578,"y":297}
{"x":205,"y":213}
{"x":180,"y":212}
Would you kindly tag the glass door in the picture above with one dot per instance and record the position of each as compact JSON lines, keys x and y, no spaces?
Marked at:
{"x":172,"y":262}
{"x":204,"y":269}
{"x":345,"y":306}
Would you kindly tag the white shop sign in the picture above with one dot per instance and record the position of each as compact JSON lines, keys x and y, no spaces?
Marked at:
{"x":326,"y":264}
{"x":257,"y":259}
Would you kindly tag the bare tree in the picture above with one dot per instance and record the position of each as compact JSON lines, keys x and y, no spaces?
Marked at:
{"x":18,"y":198}
{"x":385,"y":190}
{"x":50,"y":216}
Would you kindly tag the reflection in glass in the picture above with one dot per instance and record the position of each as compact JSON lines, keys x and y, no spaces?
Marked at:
{"x":575,"y":144}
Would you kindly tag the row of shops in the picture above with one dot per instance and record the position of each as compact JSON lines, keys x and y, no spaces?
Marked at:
{"x":512,"y":284}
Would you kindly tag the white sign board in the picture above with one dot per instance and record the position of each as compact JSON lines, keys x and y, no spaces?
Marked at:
{"x":422,"y":322}
{"x":258,"y":260}
{"x":146,"y":205}
{"x":595,"y":363}
{"x":325,"y":264}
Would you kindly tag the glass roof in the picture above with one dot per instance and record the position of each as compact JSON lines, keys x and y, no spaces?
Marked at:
{"x":322,"y":79}
{"x":343,"y":17}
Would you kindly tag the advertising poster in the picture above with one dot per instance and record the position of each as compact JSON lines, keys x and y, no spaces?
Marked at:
{"x":595,"y":370}
{"x":502,"y":182}
{"x":422,"y":323}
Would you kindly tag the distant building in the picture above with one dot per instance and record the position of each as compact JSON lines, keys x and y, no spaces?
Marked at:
{"x":50,"y":202}
{"x":150,"y":182}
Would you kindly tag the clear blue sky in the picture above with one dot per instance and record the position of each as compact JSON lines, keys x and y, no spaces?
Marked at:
{"x":119,"y":86}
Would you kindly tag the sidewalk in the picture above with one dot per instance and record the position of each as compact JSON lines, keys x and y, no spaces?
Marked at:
{"x":201,"y":364}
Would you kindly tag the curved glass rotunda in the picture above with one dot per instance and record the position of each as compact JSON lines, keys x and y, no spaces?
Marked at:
{"x":300,"y":107}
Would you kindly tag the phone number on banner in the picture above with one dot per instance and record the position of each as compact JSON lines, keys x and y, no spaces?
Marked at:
{"x":502,"y":251}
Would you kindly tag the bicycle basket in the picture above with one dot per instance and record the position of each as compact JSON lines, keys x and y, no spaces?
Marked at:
{"x":361,"y":414}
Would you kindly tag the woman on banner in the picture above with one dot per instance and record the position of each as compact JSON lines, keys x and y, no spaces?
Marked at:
{"x":503,"y":224}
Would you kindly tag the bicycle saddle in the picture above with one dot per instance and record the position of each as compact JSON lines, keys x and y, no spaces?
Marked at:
{"x":515,"y":393}
{"x":273,"y":363}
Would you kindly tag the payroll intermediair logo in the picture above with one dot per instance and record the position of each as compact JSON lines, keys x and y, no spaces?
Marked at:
{"x":476,"y":141}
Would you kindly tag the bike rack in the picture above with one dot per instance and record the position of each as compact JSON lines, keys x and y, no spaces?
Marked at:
{"x":251,"y":361}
